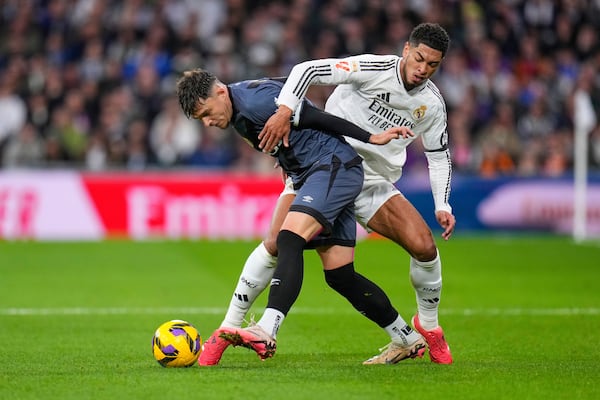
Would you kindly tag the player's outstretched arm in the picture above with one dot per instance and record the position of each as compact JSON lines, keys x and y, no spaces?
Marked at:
{"x":390,"y":134}
{"x":312,"y":117}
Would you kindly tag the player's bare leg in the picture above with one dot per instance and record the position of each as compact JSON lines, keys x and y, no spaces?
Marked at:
{"x":296,"y":231}
{"x":372,"y":302}
{"x":254,"y":278}
{"x":258,"y":269}
{"x":397,"y":219}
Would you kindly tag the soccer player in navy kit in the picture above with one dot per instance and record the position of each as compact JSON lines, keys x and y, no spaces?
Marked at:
{"x":327,"y":175}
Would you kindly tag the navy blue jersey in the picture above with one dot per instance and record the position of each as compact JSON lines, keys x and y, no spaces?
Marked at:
{"x":254,"y":103}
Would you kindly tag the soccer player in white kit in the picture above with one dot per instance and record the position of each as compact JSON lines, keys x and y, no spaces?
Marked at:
{"x":375,"y":92}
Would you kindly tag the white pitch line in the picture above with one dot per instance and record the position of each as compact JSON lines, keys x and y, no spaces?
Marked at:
{"x":66,"y":311}
{"x":112,"y":311}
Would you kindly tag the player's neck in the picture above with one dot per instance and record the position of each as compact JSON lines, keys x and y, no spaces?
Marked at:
{"x":402,"y":67}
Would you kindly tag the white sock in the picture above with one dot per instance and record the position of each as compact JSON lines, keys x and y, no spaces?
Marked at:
{"x":255,"y":277}
{"x":271,"y":321}
{"x":401,"y":333}
{"x":426,"y":278}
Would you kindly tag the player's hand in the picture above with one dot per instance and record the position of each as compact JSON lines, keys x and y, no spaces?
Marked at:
{"x":446,"y":221}
{"x":276,"y":129}
{"x":390,"y":134}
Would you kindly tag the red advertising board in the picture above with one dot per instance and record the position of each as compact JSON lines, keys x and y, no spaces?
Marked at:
{"x":71,"y":206}
{"x":184,"y":205}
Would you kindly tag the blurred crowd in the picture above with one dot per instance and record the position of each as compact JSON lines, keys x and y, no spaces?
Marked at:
{"x":89,"y":84}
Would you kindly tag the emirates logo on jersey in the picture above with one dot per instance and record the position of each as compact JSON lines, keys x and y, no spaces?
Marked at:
{"x":419,"y":112}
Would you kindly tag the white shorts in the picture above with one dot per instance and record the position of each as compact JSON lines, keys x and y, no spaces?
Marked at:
{"x":374,"y":193}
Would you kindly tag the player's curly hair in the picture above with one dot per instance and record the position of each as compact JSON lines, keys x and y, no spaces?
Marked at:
{"x":194,"y":85}
{"x":432,"y":35}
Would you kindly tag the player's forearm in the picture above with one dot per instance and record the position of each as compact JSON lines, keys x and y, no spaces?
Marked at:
{"x":313,"y":118}
{"x":440,"y":177}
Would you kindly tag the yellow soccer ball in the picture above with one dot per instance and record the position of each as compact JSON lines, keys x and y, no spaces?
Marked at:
{"x":176,"y":343}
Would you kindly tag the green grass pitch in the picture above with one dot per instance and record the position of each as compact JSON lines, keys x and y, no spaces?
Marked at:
{"x":521,"y":314}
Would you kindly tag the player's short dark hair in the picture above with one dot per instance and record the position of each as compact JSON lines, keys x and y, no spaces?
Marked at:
{"x":194,"y":85}
{"x":432,"y":35}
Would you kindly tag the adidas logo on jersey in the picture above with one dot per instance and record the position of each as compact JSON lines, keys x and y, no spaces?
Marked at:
{"x":384,"y":96}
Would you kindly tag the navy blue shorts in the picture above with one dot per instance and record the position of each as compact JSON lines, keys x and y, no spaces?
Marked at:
{"x":328,"y":196}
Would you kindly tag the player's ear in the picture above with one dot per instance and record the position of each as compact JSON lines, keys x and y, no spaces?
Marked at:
{"x":220,"y":90}
{"x":405,"y":49}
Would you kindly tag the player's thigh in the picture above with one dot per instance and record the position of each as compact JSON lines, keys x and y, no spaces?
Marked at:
{"x":333,"y":257}
{"x":328,"y":196}
{"x":281,"y":209}
{"x":302,"y":224}
{"x":397,"y":219}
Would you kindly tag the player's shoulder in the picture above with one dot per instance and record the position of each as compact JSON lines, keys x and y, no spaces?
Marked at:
{"x":368,"y":59}
{"x":434,"y":95}
{"x":255,"y":89}
{"x":371,"y":56}
{"x":253,"y":84}
{"x":255,"y":94}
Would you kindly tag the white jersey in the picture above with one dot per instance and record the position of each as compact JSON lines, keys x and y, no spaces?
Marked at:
{"x":370,"y":93}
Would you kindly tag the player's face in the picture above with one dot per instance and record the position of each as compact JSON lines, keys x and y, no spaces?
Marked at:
{"x":216,"y":110}
{"x":418,"y":64}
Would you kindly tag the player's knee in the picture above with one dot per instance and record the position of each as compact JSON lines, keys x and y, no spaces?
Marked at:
{"x":270,"y":243}
{"x":424,"y":248}
{"x":291,"y":241}
{"x":340,"y":279}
